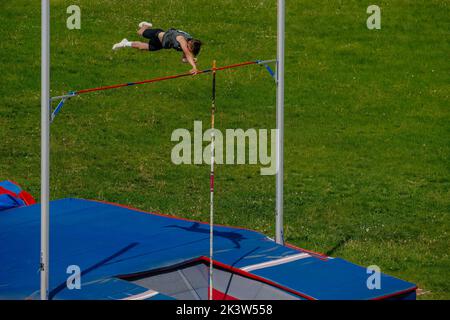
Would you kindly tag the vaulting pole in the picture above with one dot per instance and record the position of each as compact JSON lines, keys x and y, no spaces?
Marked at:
{"x":45,"y":146}
{"x":211,"y":226}
{"x":279,"y":234}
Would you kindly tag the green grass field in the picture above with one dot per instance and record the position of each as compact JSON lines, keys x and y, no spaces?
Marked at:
{"x":367,"y":120}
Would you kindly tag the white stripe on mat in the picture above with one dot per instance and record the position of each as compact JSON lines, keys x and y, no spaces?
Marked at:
{"x":276,"y":262}
{"x":142,"y":296}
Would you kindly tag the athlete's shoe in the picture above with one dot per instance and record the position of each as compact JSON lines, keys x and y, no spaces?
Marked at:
{"x":145,"y":24}
{"x":120,"y":45}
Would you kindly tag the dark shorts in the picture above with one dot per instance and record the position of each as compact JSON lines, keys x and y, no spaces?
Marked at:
{"x":152,"y":34}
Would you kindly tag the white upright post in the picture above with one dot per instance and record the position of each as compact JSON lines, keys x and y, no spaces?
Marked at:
{"x":45,"y":146}
{"x":212,"y":176}
{"x":279,"y":236}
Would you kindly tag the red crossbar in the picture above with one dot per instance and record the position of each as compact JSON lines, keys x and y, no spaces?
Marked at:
{"x":164,"y":78}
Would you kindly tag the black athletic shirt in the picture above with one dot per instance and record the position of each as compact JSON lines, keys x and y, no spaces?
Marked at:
{"x":170,"y":39}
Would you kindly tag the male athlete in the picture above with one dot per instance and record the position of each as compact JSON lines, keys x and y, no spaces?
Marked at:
{"x":170,"y":39}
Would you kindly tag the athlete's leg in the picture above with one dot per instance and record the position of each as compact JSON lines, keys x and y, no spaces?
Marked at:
{"x":131,"y":44}
{"x":144,"y":26}
{"x":140,"y":45}
{"x":142,"y":30}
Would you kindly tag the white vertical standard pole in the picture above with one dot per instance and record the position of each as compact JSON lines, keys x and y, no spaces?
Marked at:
{"x":45,"y":146}
{"x":211,"y":183}
{"x":279,"y":235}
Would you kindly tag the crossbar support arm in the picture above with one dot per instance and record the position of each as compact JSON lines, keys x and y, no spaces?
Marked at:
{"x":57,"y":109}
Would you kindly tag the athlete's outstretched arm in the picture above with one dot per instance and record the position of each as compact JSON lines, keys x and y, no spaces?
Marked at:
{"x":188,"y":54}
